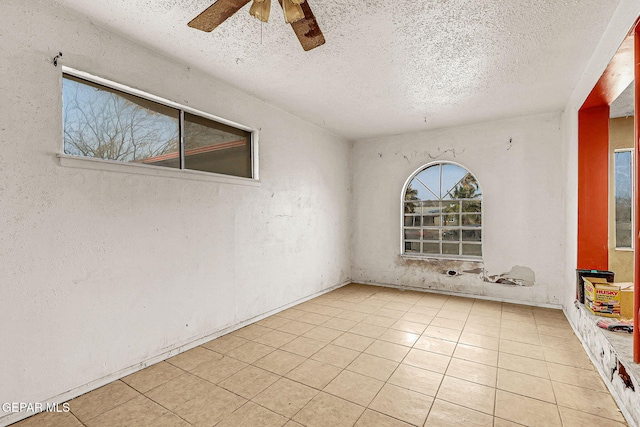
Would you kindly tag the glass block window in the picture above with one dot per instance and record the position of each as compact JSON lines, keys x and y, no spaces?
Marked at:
{"x":442,"y":213}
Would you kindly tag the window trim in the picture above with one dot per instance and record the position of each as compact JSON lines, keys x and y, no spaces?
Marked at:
{"x":633,"y":207}
{"x":93,"y":162}
{"x":422,"y":256}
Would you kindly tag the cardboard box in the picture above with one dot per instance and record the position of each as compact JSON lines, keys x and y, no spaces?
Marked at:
{"x":626,"y":300}
{"x":602,"y":299}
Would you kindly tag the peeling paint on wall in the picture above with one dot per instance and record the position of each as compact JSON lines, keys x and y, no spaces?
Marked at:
{"x":517,"y":276}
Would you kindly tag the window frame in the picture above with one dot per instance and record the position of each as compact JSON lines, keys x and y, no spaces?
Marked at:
{"x":70,"y":160}
{"x":631,"y":151}
{"x":441,"y":256}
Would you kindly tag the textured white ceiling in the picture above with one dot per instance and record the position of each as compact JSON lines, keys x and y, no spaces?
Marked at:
{"x":389,"y":66}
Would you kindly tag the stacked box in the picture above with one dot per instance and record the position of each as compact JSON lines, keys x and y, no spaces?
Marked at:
{"x":602,"y":299}
{"x":626,"y":300}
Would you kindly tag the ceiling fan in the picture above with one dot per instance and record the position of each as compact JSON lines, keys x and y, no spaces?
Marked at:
{"x":296,"y":12}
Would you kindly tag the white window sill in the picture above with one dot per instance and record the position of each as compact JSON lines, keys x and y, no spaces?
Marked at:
{"x":441,"y":258}
{"x":140,"y":169}
{"x":624,"y":249}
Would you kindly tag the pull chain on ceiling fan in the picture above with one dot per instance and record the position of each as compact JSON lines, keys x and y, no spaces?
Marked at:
{"x":296,"y":12}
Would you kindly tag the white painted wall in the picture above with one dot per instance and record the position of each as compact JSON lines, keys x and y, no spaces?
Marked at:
{"x":102,"y":270}
{"x":522,"y":184}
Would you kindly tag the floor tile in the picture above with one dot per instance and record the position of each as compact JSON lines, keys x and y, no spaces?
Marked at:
{"x":400,"y":403}
{"x":275,"y":338}
{"x":573,"y":418}
{"x":569,"y":358}
{"x":335,"y":355}
{"x":249,"y":382}
{"x":525,"y":410}
{"x":218,"y":370}
{"x":250,"y":352}
{"x":140,"y":411}
{"x":252,"y":331}
{"x":388,"y":350}
{"x":273,"y":322}
{"x":585,"y":378}
{"x":353,"y":341}
{"x":399,"y":337}
{"x":477,"y":340}
{"x":435,"y":345}
{"x":326,"y":410}
{"x":526,"y":385}
{"x":480,"y":329}
{"x":50,"y":419}
{"x":296,"y":327}
{"x":251,"y":414}
{"x":587,"y":401}
{"x":354,"y":387}
{"x":279,"y":362}
{"x":476,"y":354}
{"x":286,"y":397}
{"x":427,"y":360}
{"x":416,"y":379}
{"x":472,"y":371}
{"x":313,"y":318}
{"x":291,"y":314}
{"x":376,"y":320}
{"x":408,"y":326}
{"x":152,"y":376}
{"x":339,"y":324}
{"x":101,"y":400}
{"x":373,"y":366}
{"x":225,"y":343}
{"x":442,"y":333}
{"x":445,"y":414}
{"x":367,"y":330}
{"x":524,"y":365}
{"x":314,"y":374}
{"x":179,"y":390}
{"x":303,"y":346}
{"x":375,"y":419}
{"x":206,"y":409}
{"x":322,"y":334}
{"x":190,"y":359}
{"x":444,"y":322}
{"x":468,"y":394}
{"x":521,"y":349}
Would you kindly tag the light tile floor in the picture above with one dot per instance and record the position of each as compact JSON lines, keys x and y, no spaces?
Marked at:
{"x":367,"y":356}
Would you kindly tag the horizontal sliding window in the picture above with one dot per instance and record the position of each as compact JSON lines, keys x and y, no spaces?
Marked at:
{"x":105,"y":123}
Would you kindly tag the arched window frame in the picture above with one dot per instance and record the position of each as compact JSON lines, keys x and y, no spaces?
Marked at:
{"x":462,"y":229}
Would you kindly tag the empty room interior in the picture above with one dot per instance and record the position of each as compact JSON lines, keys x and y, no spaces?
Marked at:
{"x":319,"y":213}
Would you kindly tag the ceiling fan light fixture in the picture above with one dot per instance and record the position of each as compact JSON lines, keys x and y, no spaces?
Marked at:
{"x":292,"y":11}
{"x":261,"y":9}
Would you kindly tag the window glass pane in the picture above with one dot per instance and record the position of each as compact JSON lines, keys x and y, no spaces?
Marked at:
{"x":472,"y":235}
{"x":412,"y":207}
{"x":411,"y":221}
{"x":431,"y":234}
{"x":430,"y":248}
{"x":412,"y":247}
{"x":431,"y":220}
{"x":623,"y":194}
{"x":213,"y":147}
{"x":431,"y":207}
{"x":451,"y":248}
{"x":471,"y":220}
{"x":412,"y":234}
{"x":451,"y":177}
{"x":451,"y":234}
{"x":105,"y":123}
{"x":471,"y":249}
{"x":449,"y":220}
{"x":472,"y":206}
{"x":466,"y":188}
{"x":429,"y":180}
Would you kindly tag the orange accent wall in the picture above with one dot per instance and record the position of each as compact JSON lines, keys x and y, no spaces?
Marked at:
{"x":593,"y":188}
{"x":636,"y":278}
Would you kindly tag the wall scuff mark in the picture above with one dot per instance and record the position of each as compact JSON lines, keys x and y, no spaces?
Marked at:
{"x":624,"y":376}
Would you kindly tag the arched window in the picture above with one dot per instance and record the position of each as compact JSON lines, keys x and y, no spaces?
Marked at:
{"x":442,"y":213}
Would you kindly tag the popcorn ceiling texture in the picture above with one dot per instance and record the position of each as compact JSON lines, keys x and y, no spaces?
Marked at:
{"x":388,"y":67}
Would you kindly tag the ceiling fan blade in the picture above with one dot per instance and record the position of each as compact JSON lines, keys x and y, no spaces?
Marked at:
{"x":307,"y":29}
{"x":216,"y":14}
